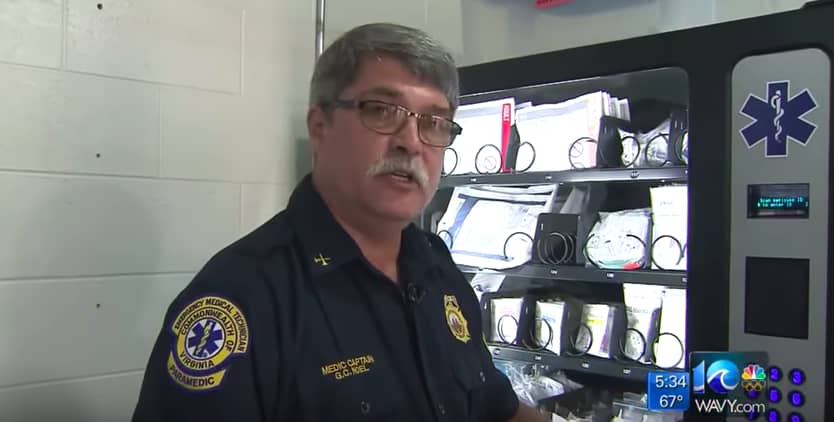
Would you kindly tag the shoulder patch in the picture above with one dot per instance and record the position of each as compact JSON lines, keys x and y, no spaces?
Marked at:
{"x":455,"y":319}
{"x":207,"y":334}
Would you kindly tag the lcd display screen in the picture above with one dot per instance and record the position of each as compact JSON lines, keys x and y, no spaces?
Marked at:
{"x":786,"y":200}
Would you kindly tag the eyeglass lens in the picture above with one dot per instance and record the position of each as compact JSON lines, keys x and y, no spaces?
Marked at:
{"x":389,"y":118}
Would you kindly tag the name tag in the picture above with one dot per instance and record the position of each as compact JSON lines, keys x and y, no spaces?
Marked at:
{"x":347,"y":368}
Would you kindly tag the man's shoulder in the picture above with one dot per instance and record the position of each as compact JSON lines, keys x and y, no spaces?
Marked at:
{"x":440,"y":252}
{"x":441,"y":256}
{"x":213,"y":325}
{"x":264,"y":241}
{"x":239,"y":270}
{"x":435,"y":241}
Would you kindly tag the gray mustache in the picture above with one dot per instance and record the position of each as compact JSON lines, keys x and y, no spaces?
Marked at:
{"x":413,"y":167}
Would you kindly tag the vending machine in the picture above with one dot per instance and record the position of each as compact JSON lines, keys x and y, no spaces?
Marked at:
{"x":653,"y":214}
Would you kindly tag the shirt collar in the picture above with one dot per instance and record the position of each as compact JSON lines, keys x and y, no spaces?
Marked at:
{"x":327,"y":246}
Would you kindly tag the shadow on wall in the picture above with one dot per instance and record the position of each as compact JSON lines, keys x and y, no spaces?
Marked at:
{"x":77,"y":227}
{"x":519,"y":29}
{"x":574,"y":8}
{"x":88,"y":227}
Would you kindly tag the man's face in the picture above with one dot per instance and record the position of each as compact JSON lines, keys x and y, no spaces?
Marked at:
{"x":389,"y":176}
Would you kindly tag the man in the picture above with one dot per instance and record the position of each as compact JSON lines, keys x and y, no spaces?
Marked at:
{"x":340,"y":309}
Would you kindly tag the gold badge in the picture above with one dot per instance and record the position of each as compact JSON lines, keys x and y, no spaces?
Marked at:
{"x":209,"y":332}
{"x":455,"y":319}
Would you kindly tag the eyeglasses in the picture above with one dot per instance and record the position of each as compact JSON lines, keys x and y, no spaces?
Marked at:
{"x":388,"y":119}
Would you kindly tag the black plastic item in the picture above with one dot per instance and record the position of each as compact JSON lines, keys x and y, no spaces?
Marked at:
{"x":678,"y":127}
{"x":609,"y":143}
{"x":526,"y":323}
{"x":647,"y":114}
{"x":542,"y":276}
{"x":513,"y":144}
{"x":606,"y":372}
{"x":555,"y":241}
{"x":816,"y":3}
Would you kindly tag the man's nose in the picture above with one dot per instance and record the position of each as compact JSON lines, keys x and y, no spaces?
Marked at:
{"x":408,"y":137}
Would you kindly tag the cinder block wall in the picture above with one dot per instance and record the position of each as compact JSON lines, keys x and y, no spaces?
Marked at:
{"x":138,"y":138}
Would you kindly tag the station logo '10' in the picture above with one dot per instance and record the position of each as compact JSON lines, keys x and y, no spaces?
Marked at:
{"x":722,"y":376}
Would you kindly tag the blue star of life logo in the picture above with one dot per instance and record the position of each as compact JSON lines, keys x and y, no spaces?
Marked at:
{"x":204,"y":339}
{"x":778,"y":119}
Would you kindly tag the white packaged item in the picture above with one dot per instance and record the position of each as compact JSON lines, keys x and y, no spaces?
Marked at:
{"x":641,"y":301}
{"x":670,"y":207}
{"x":619,"y":240}
{"x":505,"y":316}
{"x":481,"y":146}
{"x":649,"y":149}
{"x":595,"y":334}
{"x":552,"y":129}
{"x":493,"y":227}
{"x":549,"y":317}
{"x":670,"y":349}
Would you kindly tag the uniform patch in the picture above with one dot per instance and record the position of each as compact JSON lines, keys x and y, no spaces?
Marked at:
{"x":208,"y":333}
{"x":454,"y":317}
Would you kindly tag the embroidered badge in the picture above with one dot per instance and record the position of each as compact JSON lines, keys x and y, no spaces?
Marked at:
{"x":208,"y":333}
{"x":454,"y":317}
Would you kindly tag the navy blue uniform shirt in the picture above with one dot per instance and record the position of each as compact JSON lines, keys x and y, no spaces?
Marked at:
{"x":291,"y":323}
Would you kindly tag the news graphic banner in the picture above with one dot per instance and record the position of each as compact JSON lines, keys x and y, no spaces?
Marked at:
{"x":718,"y":383}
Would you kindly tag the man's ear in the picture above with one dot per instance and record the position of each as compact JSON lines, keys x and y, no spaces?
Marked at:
{"x":317,"y":121}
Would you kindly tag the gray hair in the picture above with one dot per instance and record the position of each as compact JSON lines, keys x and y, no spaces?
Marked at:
{"x":421,"y":54}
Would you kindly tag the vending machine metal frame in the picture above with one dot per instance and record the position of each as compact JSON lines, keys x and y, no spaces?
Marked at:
{"x":709,"y":56}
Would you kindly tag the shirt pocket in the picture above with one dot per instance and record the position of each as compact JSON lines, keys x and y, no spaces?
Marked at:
{"x":357,"y":398}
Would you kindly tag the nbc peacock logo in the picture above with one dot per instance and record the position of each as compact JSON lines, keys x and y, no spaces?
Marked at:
{"x":753,"y":378}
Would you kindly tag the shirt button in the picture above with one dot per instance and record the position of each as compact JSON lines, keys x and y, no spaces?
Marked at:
{"x":483,"y":378}
{"x":365,"y":407}
{"x":441,"y":409}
